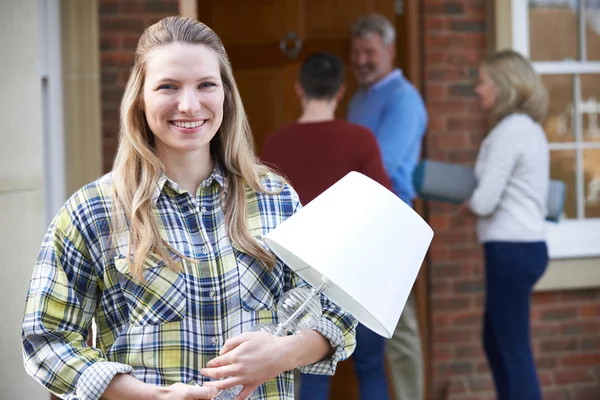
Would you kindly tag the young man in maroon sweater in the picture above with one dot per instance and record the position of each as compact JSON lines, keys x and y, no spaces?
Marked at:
{"x":313,"y":154}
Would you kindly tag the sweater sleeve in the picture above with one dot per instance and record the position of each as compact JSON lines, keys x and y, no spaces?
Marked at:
{"x":494,"y":166}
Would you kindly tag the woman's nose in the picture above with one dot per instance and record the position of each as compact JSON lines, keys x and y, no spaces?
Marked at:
{"x":189,"y":102}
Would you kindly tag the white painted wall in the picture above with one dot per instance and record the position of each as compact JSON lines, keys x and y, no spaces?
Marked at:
{"x":22,"y":220}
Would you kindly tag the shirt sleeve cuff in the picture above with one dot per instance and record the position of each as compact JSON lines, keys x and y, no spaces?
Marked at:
{"x":95,"y":379}
{"x":333,"y":333}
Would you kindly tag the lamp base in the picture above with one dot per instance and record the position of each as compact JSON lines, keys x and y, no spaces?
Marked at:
{"x":300,"y":309}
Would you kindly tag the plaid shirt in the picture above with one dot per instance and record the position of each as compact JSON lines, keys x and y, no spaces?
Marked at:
{"x":166,"y":329}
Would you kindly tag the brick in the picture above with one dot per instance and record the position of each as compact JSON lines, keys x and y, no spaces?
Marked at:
{"x":446,"y":108}
{"x":558,"y":314}
{"x":590,"y":343}
{"x":453,"y":8}
{"x":467,"y":26}
{"x":468,"y":352}
{"x":580,"y":295}
{"x":466,"y":124}
{"x":559,"y":345}
{"x":117,"y":59}
{"x":439,"y":289}
{"x":120,"y":23}
{"x":110,"y":42}
{"x":555,"y":394}
{"x":437,"y":123}
{"x":544,"y":298}
{"x":436,"y":91}
{"x":446,"y":271}
{"x":580,"y":327}
{"x":160,"y":7}
{"x":544,"y":330}
{"x":571,"y":376}
{"x":546,"y":362}
{"x":435,"y":23}
{"x":545,"y":378}
{"x":439,"y":222}
{"x":130,"y":41}
{"x":451,"y":141}
{"x":451,"y":304}
{"x":108,"y":7}
{"x":442,"y":354}
{"x":111,"y":95}
{"x":581,"y":360}
{"x":456,"y":386}
{"x":590,"y":311}
{"x":454,"y":367}
{"x":109,"y":78}
{"x":586,"y":393}
{"x":440,"y":321}
{"x":480,"y":383}
{"x":461,"y":90}
{"x":469,"y":287}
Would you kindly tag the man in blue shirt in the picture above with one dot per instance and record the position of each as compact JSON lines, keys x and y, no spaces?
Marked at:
{"x":393,"y":109}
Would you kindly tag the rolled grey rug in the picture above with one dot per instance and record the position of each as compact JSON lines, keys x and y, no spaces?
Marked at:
{"x":454,"y":183}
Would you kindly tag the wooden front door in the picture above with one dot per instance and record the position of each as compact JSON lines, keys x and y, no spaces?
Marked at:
{"x":260,"y":37}
{"x":254,"y":33}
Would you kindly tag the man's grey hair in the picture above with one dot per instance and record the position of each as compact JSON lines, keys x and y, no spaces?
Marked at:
{"x":375,"y":23}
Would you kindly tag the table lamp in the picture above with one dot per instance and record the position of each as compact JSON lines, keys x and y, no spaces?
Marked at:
{"x":358,"y":244}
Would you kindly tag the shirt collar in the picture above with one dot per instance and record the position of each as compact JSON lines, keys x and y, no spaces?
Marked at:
{"x":217,"y":176}
{"x":392,"y":76}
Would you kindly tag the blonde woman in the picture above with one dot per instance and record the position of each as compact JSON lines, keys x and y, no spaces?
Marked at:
{"x":164,"y":252}
{"x":512,"y":171}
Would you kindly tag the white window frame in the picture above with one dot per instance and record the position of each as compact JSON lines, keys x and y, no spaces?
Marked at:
{"x":571,"y":238}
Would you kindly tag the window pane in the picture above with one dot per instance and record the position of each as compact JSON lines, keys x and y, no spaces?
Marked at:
{"x":562,"y":167}
{"x":591,"y":178}
{"x":592,"y":31}
{"x":590,"y":107}
{"x":553,"y":30}
{"x":559,"y":122}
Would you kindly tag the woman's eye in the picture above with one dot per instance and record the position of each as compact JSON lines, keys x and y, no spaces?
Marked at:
{"x":166,"y":86}
{"x":206,"y":85}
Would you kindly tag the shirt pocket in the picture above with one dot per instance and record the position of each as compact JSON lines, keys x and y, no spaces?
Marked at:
{"x":259,"y":289}
{"x":160,"y":298}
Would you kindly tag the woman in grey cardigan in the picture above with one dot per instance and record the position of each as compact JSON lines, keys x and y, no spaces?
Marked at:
{"x":512,"y":171}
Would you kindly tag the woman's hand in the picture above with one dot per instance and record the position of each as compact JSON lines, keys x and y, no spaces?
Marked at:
{"x":249,"y":359}
{"x":464,"y":208}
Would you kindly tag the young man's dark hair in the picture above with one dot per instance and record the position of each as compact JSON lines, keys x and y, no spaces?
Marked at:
{"x":321,"y":76}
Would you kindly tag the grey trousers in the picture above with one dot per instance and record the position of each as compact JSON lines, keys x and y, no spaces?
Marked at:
{"x":404,"y":355}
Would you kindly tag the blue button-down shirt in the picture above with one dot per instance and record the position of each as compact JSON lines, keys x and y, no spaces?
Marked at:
{"x":394,"y":110}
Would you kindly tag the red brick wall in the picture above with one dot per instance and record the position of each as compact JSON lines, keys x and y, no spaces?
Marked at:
{"x":121,"y":24}
{"x":566,"y":325}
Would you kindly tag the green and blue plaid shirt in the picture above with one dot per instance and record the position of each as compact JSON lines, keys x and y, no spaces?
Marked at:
{"x":166,"y":329}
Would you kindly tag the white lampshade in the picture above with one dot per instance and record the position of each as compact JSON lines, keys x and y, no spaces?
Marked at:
{"x":367,"y":244}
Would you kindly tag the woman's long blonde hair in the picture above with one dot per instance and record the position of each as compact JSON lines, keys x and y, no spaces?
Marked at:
{"x":137,"y":168}
{"x":519,"y":89}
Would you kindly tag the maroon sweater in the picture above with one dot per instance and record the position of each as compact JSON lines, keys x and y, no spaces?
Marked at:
{"x":313,"y":156}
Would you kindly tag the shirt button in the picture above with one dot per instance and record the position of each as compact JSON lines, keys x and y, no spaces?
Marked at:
{"x":214,"y":340}
{"x":212,"y":294}
{"x":203,"y":210}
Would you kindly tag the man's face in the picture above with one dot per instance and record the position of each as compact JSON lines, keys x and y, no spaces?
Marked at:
{"x":371,"y":58}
